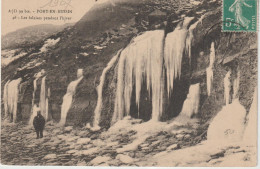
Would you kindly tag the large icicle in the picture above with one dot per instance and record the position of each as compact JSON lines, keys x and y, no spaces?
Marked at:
{"x":191,"y":104}
{"x":209,"y":70}
{"x":67,"y":98}
{"x":34,"y":91}
{"x":34,"y":110}
{"x":175,"y":46}
{"x":227,"y":87}
{"x":190,"y":37}
{"x":11,"y":98}
{"x":98,"y":108}
{"x":139,"y":61}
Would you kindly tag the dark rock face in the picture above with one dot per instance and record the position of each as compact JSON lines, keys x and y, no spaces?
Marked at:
{"x":232,"y":53}
{"x":76,"y":49}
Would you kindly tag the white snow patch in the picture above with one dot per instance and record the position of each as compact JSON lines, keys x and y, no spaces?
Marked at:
{"x":84,"y":54}
{"x":7,"y":56}
{"x":48,"y":44}
{"x":229,"y":124}
{"x":99,"y":47}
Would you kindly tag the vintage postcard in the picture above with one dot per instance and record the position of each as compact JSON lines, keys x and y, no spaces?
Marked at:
{"x":141,"y":83}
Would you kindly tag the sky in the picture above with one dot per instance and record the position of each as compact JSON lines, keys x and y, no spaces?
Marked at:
{"x":10,"y":12}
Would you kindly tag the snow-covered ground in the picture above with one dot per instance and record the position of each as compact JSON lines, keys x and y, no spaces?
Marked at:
{"x":8,"y":56}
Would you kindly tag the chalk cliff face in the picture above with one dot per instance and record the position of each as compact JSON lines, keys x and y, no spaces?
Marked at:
{"x":138,"y":58}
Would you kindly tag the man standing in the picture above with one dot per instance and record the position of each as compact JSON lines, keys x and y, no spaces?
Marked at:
{"x":38,"y":123}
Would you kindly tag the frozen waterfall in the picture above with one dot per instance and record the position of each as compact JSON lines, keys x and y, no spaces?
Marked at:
{"x":37,"y":76}
{"x":175,"y":45}
{"x":98,"y":108}
{"x":191,"y":104}
{"x":68,"y":97}
{"x":144,"y":61}
{"x":139,"y":61}
{"x":43,"y":99}
{"x":11,"y":94}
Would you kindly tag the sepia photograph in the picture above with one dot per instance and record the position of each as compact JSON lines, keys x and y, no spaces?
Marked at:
{"x":129,"y":83}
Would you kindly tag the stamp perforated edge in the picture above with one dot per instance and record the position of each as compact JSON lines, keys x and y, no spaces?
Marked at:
{"x":241,"y":31}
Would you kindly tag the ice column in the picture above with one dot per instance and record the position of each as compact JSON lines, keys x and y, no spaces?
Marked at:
{"x":236,"y":85}
{"x":98,"y":108}
{"x":43,"y":99}
{"x":11,"y":94}
{"x":5,"y":98}
{"x":209,"y":70}
{"x":227,"y":87}
{"x":68,"y":97}
{"x":191,"y":104}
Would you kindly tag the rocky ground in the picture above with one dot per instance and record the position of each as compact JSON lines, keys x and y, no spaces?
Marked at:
{"x":122,"y":145}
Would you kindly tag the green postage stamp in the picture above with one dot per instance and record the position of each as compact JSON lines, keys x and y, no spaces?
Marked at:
{"x":239,"y":15}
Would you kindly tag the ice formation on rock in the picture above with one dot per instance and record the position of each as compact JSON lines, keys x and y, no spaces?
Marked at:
{"x":141,"y":60}
{"x":68,"y":98}
{"x":33,"y":111}
{"x":144,"y":60}
{"x":5,"y":98}
{"x":191,"y":104}
{"x":190,"y":37}
{"x":11,"y":93}
{"x":79,"y":73}
{"x":227,"y":87}
{"x":209,"y":70}
{"x":175,"y":45}
{"x":43,"y":100}
{"x":98,"y":108}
